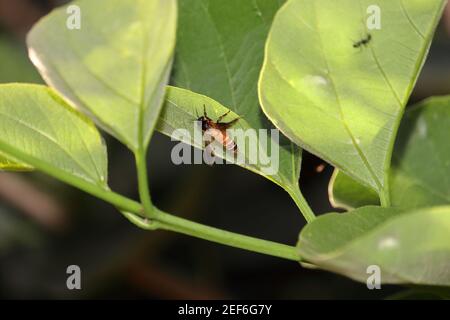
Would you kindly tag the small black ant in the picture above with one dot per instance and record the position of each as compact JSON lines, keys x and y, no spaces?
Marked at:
{"x":363,"y":42}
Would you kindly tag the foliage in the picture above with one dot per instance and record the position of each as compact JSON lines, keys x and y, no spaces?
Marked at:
{"x":327,"y":83}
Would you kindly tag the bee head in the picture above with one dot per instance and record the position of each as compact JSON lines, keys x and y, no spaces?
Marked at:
{"x":204,"y":119}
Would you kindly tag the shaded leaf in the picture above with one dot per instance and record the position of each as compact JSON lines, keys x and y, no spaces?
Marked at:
{"x":15,"y":65}
{"x":220,"y":51}
{"x":412,"y":247}
{"x":420,"y":163}
{"x":346,"y":193}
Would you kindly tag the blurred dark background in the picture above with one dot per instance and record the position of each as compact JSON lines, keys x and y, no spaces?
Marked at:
{"x":46,"y":226}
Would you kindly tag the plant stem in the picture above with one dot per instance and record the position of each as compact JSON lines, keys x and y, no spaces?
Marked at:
{"x":135,"y":212}
{"x":99,"y":190}
{"x":166,"y":221}
{"x":169,"y":222}
{"x":144,"y":191}
{"x":301,"y":203}
{"x":180,"y":225}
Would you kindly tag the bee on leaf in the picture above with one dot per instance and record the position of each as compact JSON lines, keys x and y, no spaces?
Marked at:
{"x":217,"y":131}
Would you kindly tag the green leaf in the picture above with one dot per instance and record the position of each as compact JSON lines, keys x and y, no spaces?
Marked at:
{"x":115,"y":67}
{"x":41,"y":130}
{"x":15,"y":65}
{"x":182,"y":109}
{"x":220,"y":48}
{"x":8,"y":163}
{"x":346,"y":193}
{"x":420,"y":163}
{"x":220,"y":51}
{"x":411,"y":247}
{"x":339,"y":102}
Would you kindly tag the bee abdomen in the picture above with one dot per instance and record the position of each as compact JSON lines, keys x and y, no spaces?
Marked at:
{"x":223,"y":139}
{"x":229,"y":144}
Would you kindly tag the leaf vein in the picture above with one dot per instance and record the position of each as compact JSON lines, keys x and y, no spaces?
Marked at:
{"x":405,"y":12}
{"x":342,"y":116}
{"x":222,"y":49}
{"x":51,"y":140}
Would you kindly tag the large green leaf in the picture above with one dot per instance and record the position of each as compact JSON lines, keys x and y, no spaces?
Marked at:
{"x":420,"y":163}
{"x":220,"y":51}
{"x":115,"y":67}
{"x":411,"y":247}
{"x":341,"y":102}
{"x":39,"y":129}
{"x":15,"y":65}
{"x":219,"y":54}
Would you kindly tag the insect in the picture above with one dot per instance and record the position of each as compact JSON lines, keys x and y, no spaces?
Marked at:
{"x":218,"y":130}
{"x":363,"y":42}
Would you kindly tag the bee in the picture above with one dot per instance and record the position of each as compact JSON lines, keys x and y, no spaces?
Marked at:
{"x":217,"y":130}
{"x":363,"y":42}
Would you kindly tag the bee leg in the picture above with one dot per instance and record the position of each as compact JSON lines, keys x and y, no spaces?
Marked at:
{"x":231,"y":123}
{"x":234,"y":151}
{"x":223,"y":116}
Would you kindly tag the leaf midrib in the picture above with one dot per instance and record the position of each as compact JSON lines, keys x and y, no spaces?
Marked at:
{"x":223,"y":54}
{"x":360,"y":152}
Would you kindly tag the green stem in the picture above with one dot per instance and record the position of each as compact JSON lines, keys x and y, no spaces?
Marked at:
{"x":134,"y":211}
{"x":166,"y":221}
{"x":144,"y":191}
{"x":173,"y":223}
{"x":100,"y":190}
{"x":302,"y":204}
